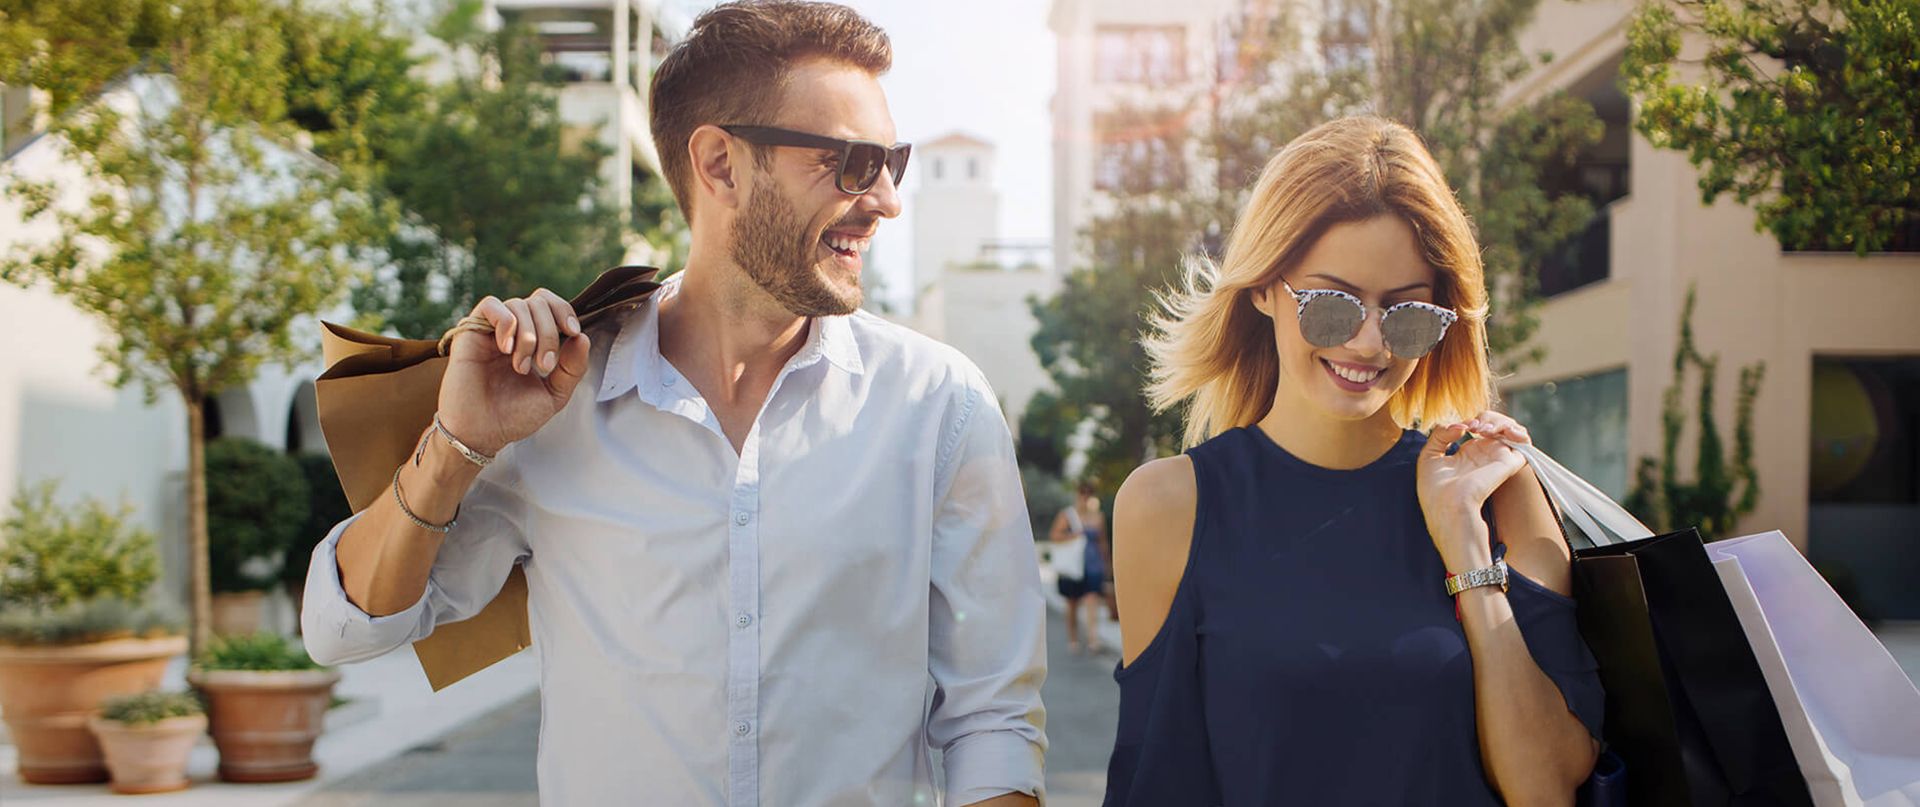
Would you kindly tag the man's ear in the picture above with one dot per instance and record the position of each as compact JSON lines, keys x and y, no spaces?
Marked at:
{"x":715,"y":167}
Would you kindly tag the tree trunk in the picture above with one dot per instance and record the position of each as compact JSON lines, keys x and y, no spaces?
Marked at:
{"x":202,"y":592}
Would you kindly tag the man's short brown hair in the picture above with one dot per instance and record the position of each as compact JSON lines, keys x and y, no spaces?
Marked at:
{"x":734,"y":65}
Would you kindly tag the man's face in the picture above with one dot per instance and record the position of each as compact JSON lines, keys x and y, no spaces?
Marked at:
{"x":799,"y":236}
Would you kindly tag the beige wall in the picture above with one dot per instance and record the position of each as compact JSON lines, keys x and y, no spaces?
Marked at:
{"x":1756,"y":303}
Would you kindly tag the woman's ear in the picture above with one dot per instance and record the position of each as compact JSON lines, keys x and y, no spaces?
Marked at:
{"x":1262,"y":300}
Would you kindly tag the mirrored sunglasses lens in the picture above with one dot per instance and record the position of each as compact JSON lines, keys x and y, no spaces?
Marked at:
{"x":1329,"y":321}
{"x":862,"y":167}
{"x":1412,"y":332}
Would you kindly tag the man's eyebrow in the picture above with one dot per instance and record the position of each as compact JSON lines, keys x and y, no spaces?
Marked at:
{"x":1339,"y":282}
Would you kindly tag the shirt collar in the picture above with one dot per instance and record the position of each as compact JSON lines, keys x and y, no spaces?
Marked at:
{"x":634,"y":361}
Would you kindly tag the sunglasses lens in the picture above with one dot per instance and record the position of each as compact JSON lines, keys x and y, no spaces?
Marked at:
{"x":897,"y":162}
{"x":862,"y":167}
{"x":1412,"y":332}
{"x":1327,"y":321}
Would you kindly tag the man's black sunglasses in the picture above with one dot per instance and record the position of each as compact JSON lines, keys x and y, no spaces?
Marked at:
{"x":860,"y":160}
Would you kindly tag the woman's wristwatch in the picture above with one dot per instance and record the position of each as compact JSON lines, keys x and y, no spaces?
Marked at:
{"x":1495,"y":575}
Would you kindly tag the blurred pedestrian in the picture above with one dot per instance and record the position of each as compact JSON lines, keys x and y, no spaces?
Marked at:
{"x":1083,"y":555}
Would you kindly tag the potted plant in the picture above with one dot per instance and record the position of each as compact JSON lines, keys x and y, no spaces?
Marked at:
{"x":147,"y":737}
{"x":256,"y":506}
{"x":73,"y":631}
{"x":326,"y":506}
{"x":266,"y":705}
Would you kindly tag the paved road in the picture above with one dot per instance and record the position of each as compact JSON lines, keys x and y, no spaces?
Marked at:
{"x":489,"y":762}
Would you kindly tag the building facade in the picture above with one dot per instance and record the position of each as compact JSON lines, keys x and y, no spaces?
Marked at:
{"x":972,"y":287}
{"x":1835,"y":421}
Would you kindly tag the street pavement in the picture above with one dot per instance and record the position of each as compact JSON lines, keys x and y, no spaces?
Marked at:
{"x":490,"y":761}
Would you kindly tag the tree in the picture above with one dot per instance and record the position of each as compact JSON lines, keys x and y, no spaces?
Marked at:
{"x":1086,"y":332}
{"x":1659,"y":498}
{"x":492,"y":195}
{"x":201,"y":239}
{"x":1803,"y":109}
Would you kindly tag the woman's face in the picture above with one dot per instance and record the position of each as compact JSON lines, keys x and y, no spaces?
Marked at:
{"x":1377,"y":260}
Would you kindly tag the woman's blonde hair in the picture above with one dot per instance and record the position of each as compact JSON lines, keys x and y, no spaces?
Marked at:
{"x":1214,"y":352}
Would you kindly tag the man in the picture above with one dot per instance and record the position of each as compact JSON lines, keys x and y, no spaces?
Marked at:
{"x":776,"y":547}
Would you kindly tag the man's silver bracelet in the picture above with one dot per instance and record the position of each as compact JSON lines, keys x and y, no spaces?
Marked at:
{"x":418,"y":521}
{"x":472,"y":456}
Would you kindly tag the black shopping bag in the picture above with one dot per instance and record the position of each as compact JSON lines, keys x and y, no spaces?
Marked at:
{"x":1688,"y":709}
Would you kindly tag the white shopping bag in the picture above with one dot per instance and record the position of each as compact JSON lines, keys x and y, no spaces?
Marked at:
{"x":1851,"y":714}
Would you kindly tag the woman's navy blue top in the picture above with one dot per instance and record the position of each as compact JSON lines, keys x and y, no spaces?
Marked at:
{"x":1311,"y":655}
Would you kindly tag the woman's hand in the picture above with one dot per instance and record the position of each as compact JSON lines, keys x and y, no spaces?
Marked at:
{"x":1453,"y":489}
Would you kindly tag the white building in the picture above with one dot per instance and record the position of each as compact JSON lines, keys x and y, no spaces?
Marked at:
{"x":972,"y":288}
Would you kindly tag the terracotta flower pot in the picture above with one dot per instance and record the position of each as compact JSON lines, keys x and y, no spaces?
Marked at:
{"x":47,"y":694}
{"x":237,"y":613}
{"x":149,"y":757}
{"x":265,"y":723}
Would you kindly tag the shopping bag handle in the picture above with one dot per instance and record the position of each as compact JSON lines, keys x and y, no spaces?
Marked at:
{"x":1602,"y":520}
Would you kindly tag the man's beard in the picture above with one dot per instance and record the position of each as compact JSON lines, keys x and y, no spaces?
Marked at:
{"x":771,"y":244}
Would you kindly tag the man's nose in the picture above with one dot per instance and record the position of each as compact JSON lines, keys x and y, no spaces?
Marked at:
{"x":883,"y":198}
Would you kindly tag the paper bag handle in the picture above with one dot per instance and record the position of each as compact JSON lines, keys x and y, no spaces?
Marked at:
{"x":1602,"y":520}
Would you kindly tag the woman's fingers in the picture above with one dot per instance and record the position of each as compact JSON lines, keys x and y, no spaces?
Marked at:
{"x":524,"y":339}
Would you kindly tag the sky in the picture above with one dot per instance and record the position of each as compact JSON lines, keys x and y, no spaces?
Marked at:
{"x":984,"y":67}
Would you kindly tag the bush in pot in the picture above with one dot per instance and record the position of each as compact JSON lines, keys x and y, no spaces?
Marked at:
{"x":147,"y":737}
{"x":266,"y":705}
{"x":73,"y":628}
{"x":256,"y":507}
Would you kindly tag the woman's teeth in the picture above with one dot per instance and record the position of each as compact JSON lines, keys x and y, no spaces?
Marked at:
{"x":1353,"y":375}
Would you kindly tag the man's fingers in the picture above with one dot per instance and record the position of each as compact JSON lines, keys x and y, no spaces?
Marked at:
{"x":502,"y":319}
{"x":572,"y":365}
{"x":546,"y":334}
{"x":524,"y":338}
{"x":563,"y":313}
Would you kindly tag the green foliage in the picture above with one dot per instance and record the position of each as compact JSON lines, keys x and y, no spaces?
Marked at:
{"x":263,"y":651}
{"x":491,"y":193}
{"x":1709,"y":502}
{"x":326,"y":506}
{"x":197,"y":245}
{"x":53,"y":556}
{"x":147,"y":708}
{"x":256,"y":508}
{"x":92,"y":620}
{"x":1085,"y":337}
{"x":1803,"y":109}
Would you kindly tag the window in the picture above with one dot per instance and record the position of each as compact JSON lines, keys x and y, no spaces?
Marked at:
{"x":939,"y":168}
{"x":1140,"y":54}
{"x":1582,"y":422}
{"x":973,"y":168}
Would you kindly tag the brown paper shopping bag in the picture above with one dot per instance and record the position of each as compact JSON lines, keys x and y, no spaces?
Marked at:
{"x":376,"y":396}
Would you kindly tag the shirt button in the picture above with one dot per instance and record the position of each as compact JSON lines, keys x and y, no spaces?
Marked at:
{"x":667,"y":380}
{"x":743,"y":620}
{"x":741,"y":518}
{"x":741,"y":728}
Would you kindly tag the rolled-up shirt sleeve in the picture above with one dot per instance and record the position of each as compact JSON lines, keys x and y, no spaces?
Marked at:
{"x":487,"y":539}
{"x":988,"y":618}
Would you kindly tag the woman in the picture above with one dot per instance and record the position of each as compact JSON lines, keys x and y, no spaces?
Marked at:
{"x":1080,"y":531}
{"x":1288,"y":635}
